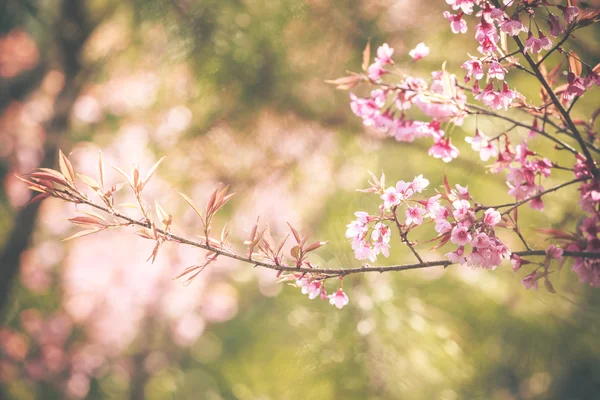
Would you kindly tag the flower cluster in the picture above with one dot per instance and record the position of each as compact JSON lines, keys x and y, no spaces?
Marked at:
{"x":459,"y":223}
{"x":455,"y":219}
{"x":523,"y":166}
{"x":586,"y":238}
{"x":316,"y":288}
{"x":492,"y":21}
{"x":371,"y":234}
{"x":386,"y":107}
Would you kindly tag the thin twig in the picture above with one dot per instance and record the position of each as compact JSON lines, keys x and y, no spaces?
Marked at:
{"x":404,"y":236}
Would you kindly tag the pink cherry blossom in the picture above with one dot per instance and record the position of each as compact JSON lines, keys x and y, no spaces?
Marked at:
{"x":465,"y":5}
{"x":555,"y":27}
{"x":491,"y":217}
{"x":488,"y":38}
{"x":462,"y":209}
{"x":515,"y":260}
{"x":457,"y":256}
{"x":384,"y":54}
{"x":359,"y":226}
{"x":443,"y":149}
{"x":460,"y":236}
{"x":555,"y":252}
{"x":314,"y":289}
{"x":433,"y":205}
{"x":530,"y":281}
{"x":380,"y":247}
{"x":339,"y":298}
{"x":512,"y":27}
{"x":405,"y":189}
{"x":480,"y":142}
{"x":481,"y":241}
{"x":419,"y":184}
{"x":457,"y":24}
{"x":569,"y":13}
{"x":414,"y":215}
{"x":535,"y":45}
{"x":462,"y":192}
{"x":576,"y":87}
{"x":442,"y":226}
{"x":391,"y":197}
{"x":420,"y":51}
{"x":496,"y":71}
{"x":376,"y":71}
{"x":474,"y":69}
{"x":381,"y":232}
{"x":362,"y":249}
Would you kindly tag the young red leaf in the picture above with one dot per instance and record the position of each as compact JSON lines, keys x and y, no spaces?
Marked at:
{"x":65,"y":167}
{"x":295,"y":233}
{"x":150,"y":173}
{"x":314,"y":246}
{"x":83,"y":233}
{"x":281,"y":245}
{"x":548,"y":285}
{"x":38,"y":198}
{"x":119,"y":170}
{"x":83,"y":220}
{"x":162,"y":215}
{"x":49,"y":177}
{"x":366,"y":56}
{"x":191,"y":204}
{"x":90,"y":182}
{"x":295,"y":252}
{"x":100,"y":169}
{"x":574,"y":63}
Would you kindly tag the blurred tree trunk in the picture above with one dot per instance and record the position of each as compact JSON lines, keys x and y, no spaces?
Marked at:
{"x":70,"y":31}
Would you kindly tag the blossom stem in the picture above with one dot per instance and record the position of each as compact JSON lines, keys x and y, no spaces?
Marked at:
{"x":528,"y":199}
{"x":554,"y":48}
{"x":404,"y":236}
{"x":481,"y":110}
{"x":566,"y":116}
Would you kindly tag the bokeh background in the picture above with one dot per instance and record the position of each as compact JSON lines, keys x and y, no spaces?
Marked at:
{"x":232,"y":91}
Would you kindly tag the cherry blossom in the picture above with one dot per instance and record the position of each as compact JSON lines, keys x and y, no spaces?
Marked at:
{"x":569,"y":13}
{"x":496,"y":71}
{"x":384,"y":54}
{"x":535,"y":45}
{"x":457,"y":24}
{"x":512,"y":27}
{"x":555,"y":252}
{"x":443,"y":149}
{"x":530,"y":281}
{"x":474,"y":69}
{"x":414,"y":215}
{"x":339,"y":298}
{"x":420,"y":51}
{"x":492,"y":217}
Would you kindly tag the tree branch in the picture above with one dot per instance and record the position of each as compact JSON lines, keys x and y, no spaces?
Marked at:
{"x":282,"y":267}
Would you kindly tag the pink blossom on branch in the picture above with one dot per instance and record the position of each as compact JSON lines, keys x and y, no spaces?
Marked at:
{"x":457,"y":24}
{"x":384,"y":54}
{"x":339,"y":298}
{"x":419,"y":52}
